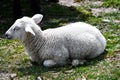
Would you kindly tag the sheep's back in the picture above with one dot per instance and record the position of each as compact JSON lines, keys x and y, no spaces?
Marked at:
{"x":71,"y":30}
{"x":77,"y":37}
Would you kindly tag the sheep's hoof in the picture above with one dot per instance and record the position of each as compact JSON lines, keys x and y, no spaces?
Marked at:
{"x":34,"y":63}
{"x":77,"y":62}
{"x":49,"y":63}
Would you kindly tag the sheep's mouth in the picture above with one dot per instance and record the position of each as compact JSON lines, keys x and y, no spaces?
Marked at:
{"x":8,"y":36}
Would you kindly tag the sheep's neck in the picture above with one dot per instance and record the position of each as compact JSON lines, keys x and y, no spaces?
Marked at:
{"x":34,"y":43}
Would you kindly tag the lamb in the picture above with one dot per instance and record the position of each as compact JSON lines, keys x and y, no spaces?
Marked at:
{"x":53,"y":47}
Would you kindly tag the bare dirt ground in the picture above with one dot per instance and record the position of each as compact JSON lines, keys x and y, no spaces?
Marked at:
{"x":95,"y":11}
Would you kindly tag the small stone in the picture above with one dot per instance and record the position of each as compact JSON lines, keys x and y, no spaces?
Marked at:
{"x":4,"y":76}
{"x":39,"y":78}
{"x":106,"y":20}
{"x":12,"y":76}
{"x":83,"y":78}
{"x":116,"y":21}
{"x":68,"y":71}
{"x":1,"y":39}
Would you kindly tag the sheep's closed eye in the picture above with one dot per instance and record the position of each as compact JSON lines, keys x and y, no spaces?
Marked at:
{"x":16,"y":28}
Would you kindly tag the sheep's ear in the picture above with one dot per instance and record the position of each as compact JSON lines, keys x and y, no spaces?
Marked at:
{"x":28,"y":29}
{"x":37,"y":18}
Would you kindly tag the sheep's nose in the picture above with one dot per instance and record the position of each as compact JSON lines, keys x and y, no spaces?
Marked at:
{"x":8,"y":36}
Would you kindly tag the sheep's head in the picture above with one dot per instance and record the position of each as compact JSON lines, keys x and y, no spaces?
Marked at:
{"x":23,"y":26}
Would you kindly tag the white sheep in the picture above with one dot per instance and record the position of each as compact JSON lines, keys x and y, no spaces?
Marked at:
{"x":77,"y":41}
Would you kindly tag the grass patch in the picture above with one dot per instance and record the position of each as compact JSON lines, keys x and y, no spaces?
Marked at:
{"x":112,"y":3}
{"x":78,"y":0}
{"x":112,"y":16}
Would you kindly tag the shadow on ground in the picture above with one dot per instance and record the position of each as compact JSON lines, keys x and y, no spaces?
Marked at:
{"x":37,"y":70}
{"x":55,"y":15}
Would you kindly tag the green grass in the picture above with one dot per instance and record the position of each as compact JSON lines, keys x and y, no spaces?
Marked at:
{"x":105,"y":67}
{"x":112,"y":3}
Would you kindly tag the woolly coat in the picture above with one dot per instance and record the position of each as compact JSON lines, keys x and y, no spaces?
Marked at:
{"x":75,"y":41}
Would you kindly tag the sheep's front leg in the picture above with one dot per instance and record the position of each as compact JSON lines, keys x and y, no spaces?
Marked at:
{"x":35,"y":61}
{"x":76,"y":62}
{"x":49,"y":63}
